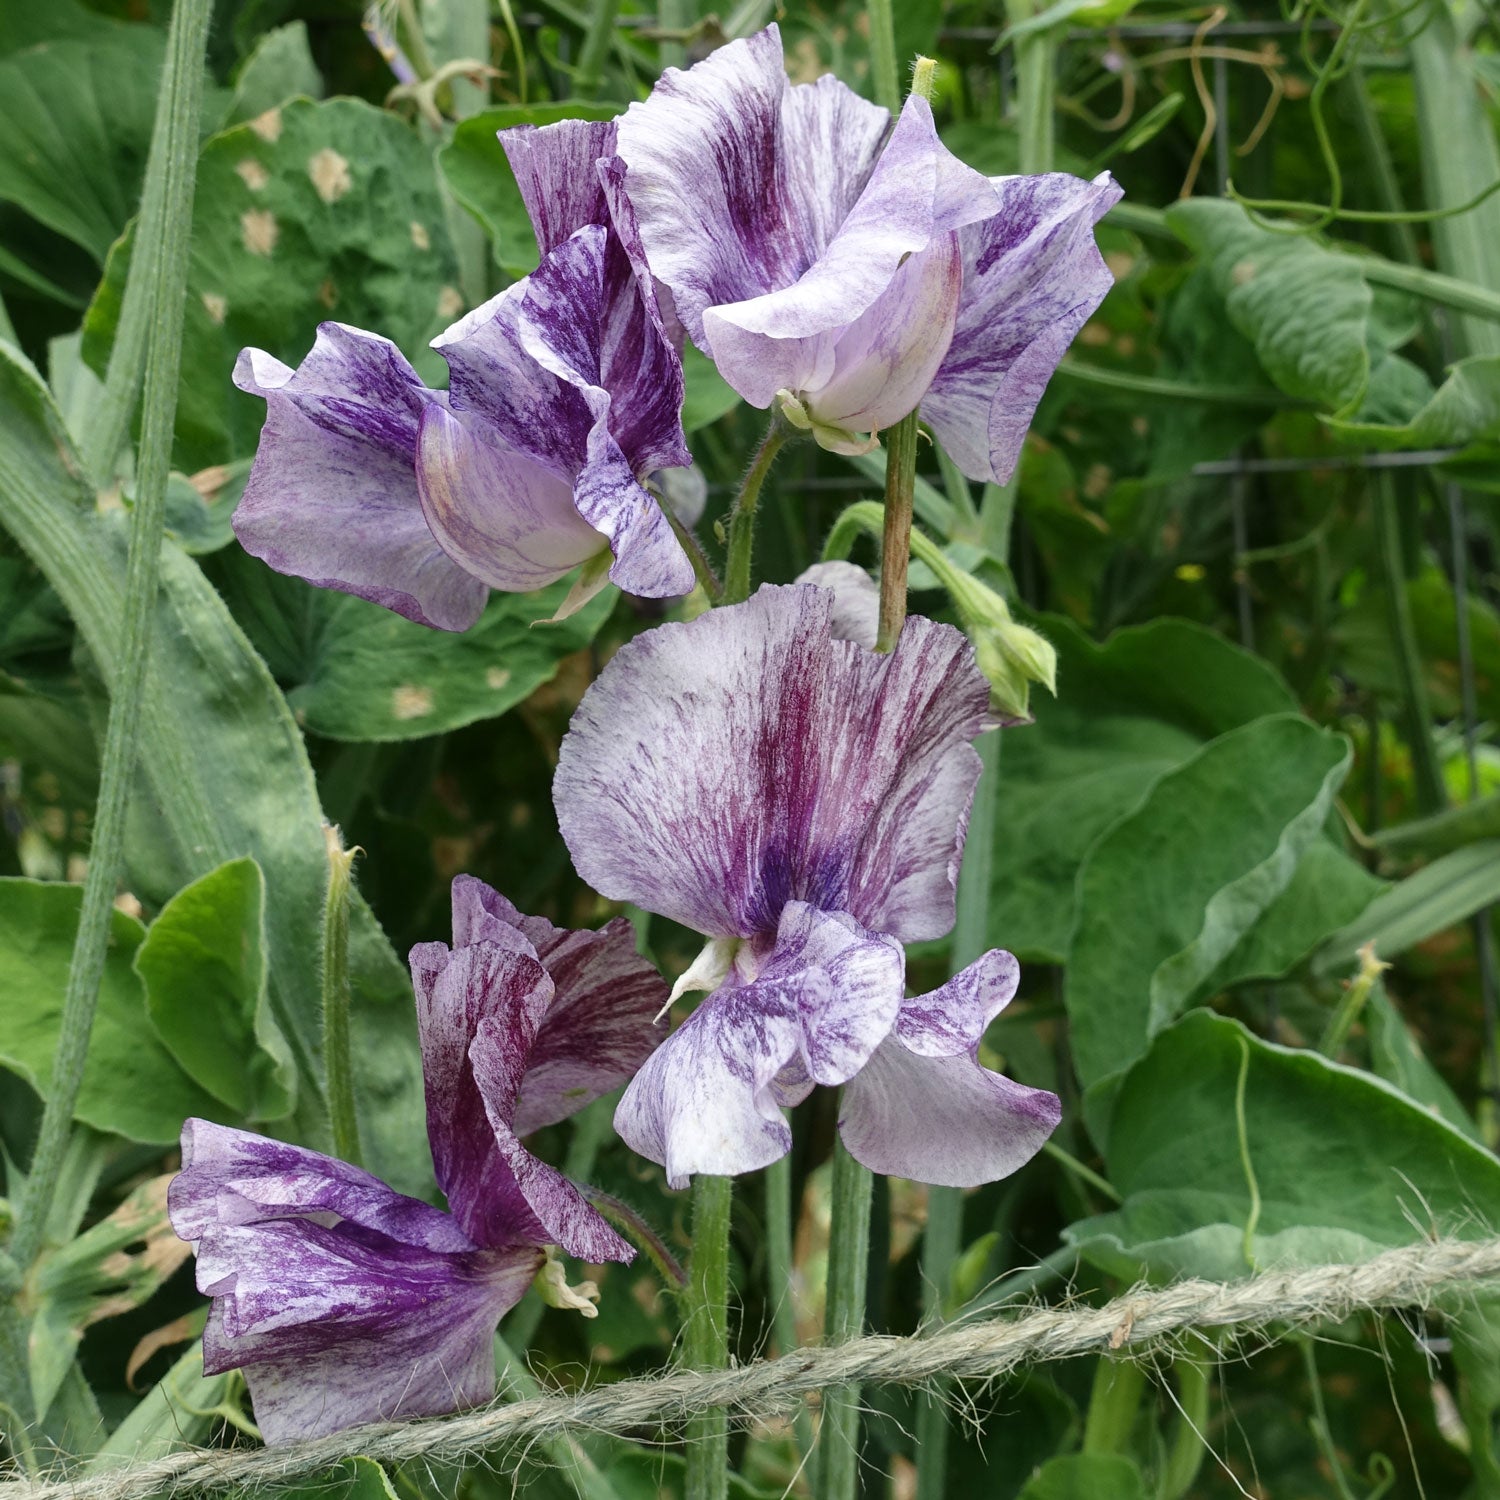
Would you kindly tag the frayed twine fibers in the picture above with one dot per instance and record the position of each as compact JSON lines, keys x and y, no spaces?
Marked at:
{"x":1408,"y":1277}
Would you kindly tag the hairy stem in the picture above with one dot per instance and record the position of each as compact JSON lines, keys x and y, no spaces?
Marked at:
{"x":742,"y":516}
{"x":705,"y":1332}
{"x":895,"y":542}
{"x":337,"y":1064}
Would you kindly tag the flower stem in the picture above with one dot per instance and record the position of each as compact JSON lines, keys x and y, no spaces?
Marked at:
{"x":337,"y":1062}
{"x":848,"y":1269}
{"x":895,"y":543}
{"x":742,"y":517}
{"x":781,"y":1221}
{"x":158,"y":275}
{"x":597,"y":42}
{"x":705,"y":1333}
{"x":885,"y":72}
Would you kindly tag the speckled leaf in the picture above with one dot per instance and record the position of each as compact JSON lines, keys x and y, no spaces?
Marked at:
{"x":313,"y":211}
{"x":131,"y":1086}
{"x":1344,"y":1164}
{"x":1170,"y":891}
{"x":354,"y":671}
{"x":1304,"y":308}
{"x":280,"y":68}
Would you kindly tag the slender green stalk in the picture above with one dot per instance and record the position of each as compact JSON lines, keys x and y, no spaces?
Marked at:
{"x":338,"y":1066}
{"x":705,"y":1332}
{"x":1353,"y":1003}
{"x":7,"y":328}
{"x":158,"y":277}
{"x":1114,"y":1404}
{"x":1189,"y":1442}
{"x":742,"y":517}
{"x":1450,"y":291}
{"x":597,"y":42}
{"x":781,"y":1220}
{"x":675,"y":16}
{"x":885,"y":71}
{"x":567,"y":1453}
{"x":703,"y":570}
{"x":1431,"y":795}
{"x":844,"y":1318}
{"x":1355,"y":95}
{"x":1318,"y":1420}
{"x":1036,"y":88}
{"x":1082,"y":1171}
{"x":1158,"y":386}
{"x":895,"y":544}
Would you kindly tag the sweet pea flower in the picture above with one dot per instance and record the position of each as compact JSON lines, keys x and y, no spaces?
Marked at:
{"x":345,"y":1301}
{"x":564,"y":393}
{"x":846,"y":270}
{"x":800,"y":801}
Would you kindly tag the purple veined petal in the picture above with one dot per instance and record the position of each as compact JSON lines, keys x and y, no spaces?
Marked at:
{"x":334,"y":1327}
{"x":845,"y":983}
{"x":942,"y":1120}
{"x":739,"y":180}
{"x":785,"y":338}
{"x":499,"y":1055}
{"x":233,"y":1177}
{"x":332,"y":496}
{"x":721,"y":768}
{"x":601,"y":1024}
{"x":1032,"y":277}
{"x":506,"y":518}
{"x":856,"y":600}
{"x":885,"y":360}
{"x":952,"y":1018}
{"x":554,"y":169}
{"x":456,"y":993}
{"x":706,"y":1100}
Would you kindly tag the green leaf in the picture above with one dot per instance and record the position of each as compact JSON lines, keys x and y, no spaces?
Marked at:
{"x":227,"y":771}
{"x":280,"y":68}
{"x":1127,"y":711}
{"x":708,"y":395}
{"x":475,"y":168}
{"x":75,"y":127}
{"x":1396,"y":1056}
{"x":200,"y":510}
{"x":1464,"y":409}
{"x":1437,"y":897}
{"x":1306,"y":315}
{"x":131,"y":1086}
{"x":1087,"y":1476}
{"x":354,"y":671}
{"x":177,"y":1412}
{"x":1443,"y":832}
{"x":1344,"y":1164}
{"x":1170,"y":891}
{"x":204,"y":967}
{"x":314,"y":211}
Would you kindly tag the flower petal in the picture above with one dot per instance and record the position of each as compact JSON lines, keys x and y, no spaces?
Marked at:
{"x":601,"y":1025}
{"x":554,"y":167}
{"x":856,"y":600}
{"x":705,"y":1099}
{"x":952,"y":1018}
{"x":334,"y":1329}
{"x":719,"y":769}
{"x":456,"y":992}
{"x":740,"y":181}
{"x":332,"y":496}
{"x":942,"y":1120}
{"x":1032,"y":277}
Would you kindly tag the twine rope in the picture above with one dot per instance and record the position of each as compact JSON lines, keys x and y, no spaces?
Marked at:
{"x":1408,"y":1277}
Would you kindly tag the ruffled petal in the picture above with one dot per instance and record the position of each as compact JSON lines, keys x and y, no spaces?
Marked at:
{"x":601,"y":1025}
{"x":554,"y":166}
{"x":456,"y":992}
{"x":705,"y":1100}
{"x":719,"y":769}
{"x":332,"y":496}
{"x":942,"y":1120}
{"x":856,"y":600}
{"x":787,"y":338}
{"x":952,"y":1018}
{"x":1032,"y":276}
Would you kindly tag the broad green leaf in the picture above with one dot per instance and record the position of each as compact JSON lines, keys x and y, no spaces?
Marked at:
{"x":354,"y":671}
{"x":228,"y":773}
{"x":353,"y":1479}
{"x":1306,"y":315}
{"x":1437,"y":897}
{"x":1170,"y":891}
{"x":131,"y":1085}
{"x":708,"y":395}
{"x":75,"y":127}
{"x":177,"y":1412}
{"x":204,"y":967}
{"x":280,"y":68}
{"x":475,"y":167}
{"x":1126,"y":711}
{"x":200,"y":509}
{"x":1087,"y":1476}
{"x":1396,"y":1057}
{"x":24,"y":23}
{"x":313,"y":211}
{"x":1464,"y":409}
{"x":1343,"y":1163}
{"x":117,"y":1265}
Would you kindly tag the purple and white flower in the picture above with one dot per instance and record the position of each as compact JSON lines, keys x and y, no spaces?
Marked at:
{"x":347,"y":1302}
{"x":849,"y":270}
{"x":564,"y":393}
{"x":802,"y":802}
